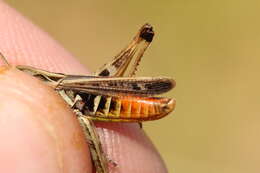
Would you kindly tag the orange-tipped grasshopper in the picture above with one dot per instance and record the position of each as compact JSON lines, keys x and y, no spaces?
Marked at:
{"x":108,"y":96}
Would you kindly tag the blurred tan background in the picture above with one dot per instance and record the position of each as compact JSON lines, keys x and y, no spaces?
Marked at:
{"x":212,"y":50}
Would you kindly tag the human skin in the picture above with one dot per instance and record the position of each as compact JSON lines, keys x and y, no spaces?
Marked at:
{"x":38,"y":131}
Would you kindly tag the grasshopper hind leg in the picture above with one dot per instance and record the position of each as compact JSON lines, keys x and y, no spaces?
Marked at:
{"x":97,"y":155}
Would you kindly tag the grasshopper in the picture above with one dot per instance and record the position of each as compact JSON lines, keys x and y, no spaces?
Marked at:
{"x":112,"y":93}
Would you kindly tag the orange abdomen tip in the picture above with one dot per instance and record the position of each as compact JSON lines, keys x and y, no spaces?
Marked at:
{"x":143,"y":108}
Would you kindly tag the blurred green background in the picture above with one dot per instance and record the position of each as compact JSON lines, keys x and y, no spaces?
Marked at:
{"x":209,"y":47}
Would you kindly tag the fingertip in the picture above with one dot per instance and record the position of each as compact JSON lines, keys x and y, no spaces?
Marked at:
{"x":39,"y":132}
{"x":130,"y":148}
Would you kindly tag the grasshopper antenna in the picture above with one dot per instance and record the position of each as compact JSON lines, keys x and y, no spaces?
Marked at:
{"x":4,"y":59}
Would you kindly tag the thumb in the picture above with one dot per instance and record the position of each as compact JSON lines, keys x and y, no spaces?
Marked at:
{"x":38,"y":131}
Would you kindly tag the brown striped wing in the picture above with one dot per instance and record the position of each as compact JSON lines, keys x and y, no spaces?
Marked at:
{"x":112,"y":86}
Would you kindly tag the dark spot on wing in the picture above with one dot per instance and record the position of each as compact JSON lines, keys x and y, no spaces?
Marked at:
{"x":135,"y":86}
{"x":162,"y":86}
{"x":149,"y":86}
